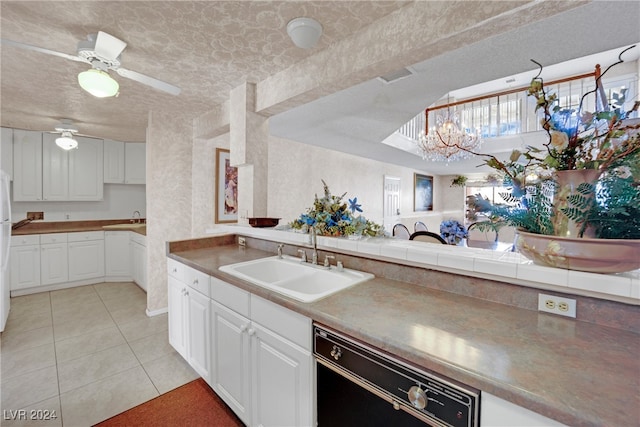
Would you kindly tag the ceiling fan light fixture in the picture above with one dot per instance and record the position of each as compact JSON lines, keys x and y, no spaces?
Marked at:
{"x":304,"y":32}
{"x":98,"y":83}
{"x":66,"y":141}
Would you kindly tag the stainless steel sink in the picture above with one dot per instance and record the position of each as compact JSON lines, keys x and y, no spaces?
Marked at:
{"x":301,"y":281}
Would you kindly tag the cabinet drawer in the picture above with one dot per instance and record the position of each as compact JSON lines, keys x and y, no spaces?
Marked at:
{"x":291,"y":325}
{"x":86,"y":235}
{"x":175,"y":269}
{"x":138,"y":238}
{"x":197,"y":280}
{"x":46,"y":239}
{"x":30,"y":239}
{"x":230,"y":296}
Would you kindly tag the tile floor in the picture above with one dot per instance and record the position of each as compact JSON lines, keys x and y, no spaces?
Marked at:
{"x":87,"y":353}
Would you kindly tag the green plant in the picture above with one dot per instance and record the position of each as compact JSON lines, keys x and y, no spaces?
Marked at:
{"x":459,"y":181}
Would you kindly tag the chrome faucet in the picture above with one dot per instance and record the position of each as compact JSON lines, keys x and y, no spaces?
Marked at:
{"x":314,"y":243}
{"x":280,"y":246}
{"x":134,"y":219}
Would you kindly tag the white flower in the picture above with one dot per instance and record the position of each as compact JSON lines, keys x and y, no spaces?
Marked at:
{"x":559,"y":140}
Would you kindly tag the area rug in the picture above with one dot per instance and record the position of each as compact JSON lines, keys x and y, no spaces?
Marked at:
{"x":193,"y":404}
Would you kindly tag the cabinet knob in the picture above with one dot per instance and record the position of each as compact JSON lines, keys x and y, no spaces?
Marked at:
{"x":243,"y":328}
{"x":175,"y":270}
{"x":251,"y":332}
{"x":195,"y":281}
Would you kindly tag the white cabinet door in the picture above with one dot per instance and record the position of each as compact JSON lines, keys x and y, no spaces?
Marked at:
{"x":85,"y":170}
{"x":27,"y":165}
{"x":55,"y":169}
{"x":177,"y":315}
{"x":139,"y":264}
{"x":135,"y":160}
{"x":54,"y":263}
{"x":6,"y":151}
{"x":282,"y":381}
{"x":86,"y":260}
{"x":117,"y":257}
{"x":113,"y":162}
{"x":230,"y":375}
{"x":199,"y":333}
{"x":25,"y":266}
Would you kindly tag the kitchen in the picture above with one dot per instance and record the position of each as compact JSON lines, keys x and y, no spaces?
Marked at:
{"x":181,"y":145}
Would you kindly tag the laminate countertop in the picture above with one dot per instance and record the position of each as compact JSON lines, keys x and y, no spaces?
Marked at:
{"x":578,"y":373}
{"x":42,"y":227}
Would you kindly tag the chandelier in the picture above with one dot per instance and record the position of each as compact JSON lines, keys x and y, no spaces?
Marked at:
{"x":447,"y":141}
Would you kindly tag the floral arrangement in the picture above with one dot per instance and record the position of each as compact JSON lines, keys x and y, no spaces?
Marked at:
{"x":452,"y":231}
{"x":329,"y":216}
{"x":601,"y":141}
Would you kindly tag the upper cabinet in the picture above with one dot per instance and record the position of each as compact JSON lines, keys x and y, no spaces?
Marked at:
{"x":135,"y":160}
{"x":124,"y":163}
{"x":6,"y":151}
{"x":45,"y":172}
{"x":27,"y":165}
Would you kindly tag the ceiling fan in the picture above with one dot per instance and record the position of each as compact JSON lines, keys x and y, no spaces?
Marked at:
{"x":102,"y":51}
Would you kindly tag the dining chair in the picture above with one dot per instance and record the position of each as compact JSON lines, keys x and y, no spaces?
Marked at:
{"x":400,"y":231}
{"x":420,"y":226}
{"x":427,"y":236}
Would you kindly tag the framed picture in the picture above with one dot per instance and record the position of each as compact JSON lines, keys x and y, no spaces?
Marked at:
{"x":226,"y":188}
{"x":422,"y":192}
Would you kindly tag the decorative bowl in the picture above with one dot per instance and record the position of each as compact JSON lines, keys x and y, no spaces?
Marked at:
{"x":263,"y":222}
{"x":592,"y":255}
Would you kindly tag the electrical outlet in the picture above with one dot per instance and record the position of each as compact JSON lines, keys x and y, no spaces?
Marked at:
{"x":557,"y":305}
{"x":34,"y":216}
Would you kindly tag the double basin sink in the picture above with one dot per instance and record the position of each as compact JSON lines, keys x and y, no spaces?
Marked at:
{"x":298,"y":280}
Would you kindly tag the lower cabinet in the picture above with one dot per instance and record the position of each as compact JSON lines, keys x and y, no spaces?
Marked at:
{"x":190,"y":317}
{"x":86,"y":255}
{"x":255,"y":354}
{"x":117,"y":257}
{"x":54,"y":259}
{"x":139,"y":260}
{"x":261,"y":358}
{"x":25,"y":262}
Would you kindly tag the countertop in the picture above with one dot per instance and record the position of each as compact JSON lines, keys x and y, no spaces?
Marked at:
{"x":46,"y":227}
{"x":578,"y":373}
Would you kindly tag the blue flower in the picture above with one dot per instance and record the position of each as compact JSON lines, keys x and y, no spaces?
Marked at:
{"x":354,"y":206}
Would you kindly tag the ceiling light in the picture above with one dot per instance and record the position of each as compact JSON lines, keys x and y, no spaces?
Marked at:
{"x":98,"y":83}
{"x":66,"y":141}
{"x":448,"y":141}
{"x":304,"y":32}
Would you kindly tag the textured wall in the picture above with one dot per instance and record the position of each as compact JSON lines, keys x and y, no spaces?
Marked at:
{"x":169,"y":156}
{"x":296,"y":171}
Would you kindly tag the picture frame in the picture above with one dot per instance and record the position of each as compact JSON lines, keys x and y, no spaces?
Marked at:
{"x":226,"y":194}
{"x":422,"y":192}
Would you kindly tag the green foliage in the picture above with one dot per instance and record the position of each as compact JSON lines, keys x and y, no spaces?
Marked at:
{"x":459,"y":181}
{"x":614,"y":213}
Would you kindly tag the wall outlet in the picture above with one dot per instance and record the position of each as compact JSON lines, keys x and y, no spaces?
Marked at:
{"x":34,"y":216}
{"x":557,"y":305}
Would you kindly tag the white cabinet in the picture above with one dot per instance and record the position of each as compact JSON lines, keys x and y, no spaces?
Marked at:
{"x":54,"y":267}
{"x":117,"y":257}
{"x":135,"y":159}
{"x":190,"y":316}
{"x":27,"y":165}
{"x":139,"y":260}
{"x":496,"y":412}
{"x":113,"y":162}
{"x":25,"y":261}
{"x":86,"y":170}
{"x":55,"y":170}
{"x":262,"y":360}
{"x":6,"y":151}
{"x":86,"y":255}
{"x":44,"y":171}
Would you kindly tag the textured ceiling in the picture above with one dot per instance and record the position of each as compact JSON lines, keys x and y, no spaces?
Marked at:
{"x":205,"y":48}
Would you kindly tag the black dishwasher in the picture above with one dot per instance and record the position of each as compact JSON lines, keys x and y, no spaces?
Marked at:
{"x":358,"y":385}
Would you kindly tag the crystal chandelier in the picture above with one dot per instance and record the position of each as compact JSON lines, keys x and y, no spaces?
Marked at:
{"x":447,"y":141}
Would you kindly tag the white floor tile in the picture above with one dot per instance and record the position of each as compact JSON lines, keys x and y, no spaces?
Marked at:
{"x":169,"y":372}
{"x":23,"y":390}
{"x":152,"y":347}
{"x":143,"y":328}
{"x":82,"y":345}
{"x":95,"y":402}
{"x":16,"y":341}
{"x":20,"y":362}
{"x":41,"y":414}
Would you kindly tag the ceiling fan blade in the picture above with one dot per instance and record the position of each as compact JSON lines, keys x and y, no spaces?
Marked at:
{"x":149,"y":81}
{"x":108,"y":46}
{"x":43,"y":50}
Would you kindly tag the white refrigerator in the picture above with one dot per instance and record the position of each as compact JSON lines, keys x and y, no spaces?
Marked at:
{"x":5,"y":238}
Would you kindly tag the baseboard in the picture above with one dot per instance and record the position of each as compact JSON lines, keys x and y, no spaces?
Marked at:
{"x":151,"y":313}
